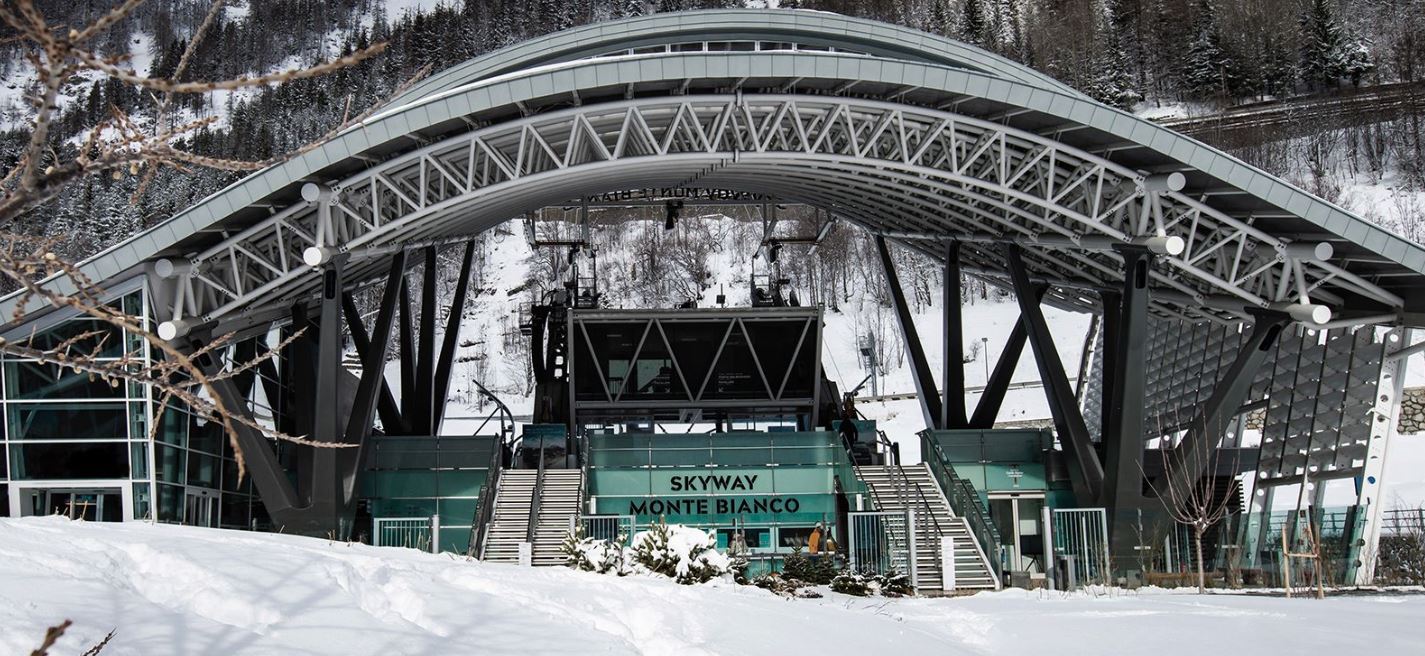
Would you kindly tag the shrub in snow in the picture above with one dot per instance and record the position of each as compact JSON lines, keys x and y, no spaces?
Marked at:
{"x":593,"y":554}
{"x":851,"y":583}
{"x":683,"y":553}
{"x":816,"y":571}
{"x":894,"y":584}
{"x":785,"y":587}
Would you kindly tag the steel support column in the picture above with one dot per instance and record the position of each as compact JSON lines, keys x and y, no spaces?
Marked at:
{"x":952,"y":397}
{"x":425,"y":366}
{"x":327,"y":425}
{"x":373,"y":357}
{"x":408,"y":363}
{"x":987,"y":408}
{"x":1085,"y":470}
{"x":386,"y":406}
{"x":452,"y":332}
{"x":1125,"y":384}
{"x":1194,"y":455}
{"x":915,"y":353}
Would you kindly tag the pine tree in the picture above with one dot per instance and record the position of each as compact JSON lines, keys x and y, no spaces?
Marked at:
{"x":1322,"y":61}
{"x":1112,"y":81}
{"x":1209,"y":70}
{"x":972,"y":22}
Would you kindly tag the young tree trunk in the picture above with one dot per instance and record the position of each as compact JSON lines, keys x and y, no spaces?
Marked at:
{"x":1201,"y":571}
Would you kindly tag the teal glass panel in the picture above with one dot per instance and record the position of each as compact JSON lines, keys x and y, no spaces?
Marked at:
{"x":26,"y":380}
{"x":76,"y":420}
{"x":143,"y":501}
{"x":169,"y":463}
{"x":170,"y":503}
{"x":138,"y":459}
{"x":203,"y":470}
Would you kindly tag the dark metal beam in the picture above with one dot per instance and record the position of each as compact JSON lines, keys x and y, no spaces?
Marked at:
{"x":425,"y":366}
{"x":373,"y":356}
{"x":452,"y":333}
{"x":952,"y":395}
{"x":1195,"y":453}
{"x":1125,"y":384}
{"x":987,"y":408}
{"x":268,"y":477}
{"x":1085,"y":470}
{"x":915,"y":353}
{"x":386,"y":407}
{"x":408,"y":363}
{"x":327,"y":422}
{"x":1112,"y":309}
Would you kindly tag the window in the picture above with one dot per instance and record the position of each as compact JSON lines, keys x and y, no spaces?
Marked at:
{"x":68,"y":421}
{"x":73,"y":460}
{"x":790,"y":537}
{"x":26,"y":380}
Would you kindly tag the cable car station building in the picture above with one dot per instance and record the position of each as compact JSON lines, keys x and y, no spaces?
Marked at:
{"x":1219,"y":290}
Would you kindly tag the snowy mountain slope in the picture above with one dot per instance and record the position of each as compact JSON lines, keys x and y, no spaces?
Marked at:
{"x":183,"y":590}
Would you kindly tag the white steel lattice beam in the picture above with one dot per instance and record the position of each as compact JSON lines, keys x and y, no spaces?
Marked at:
{"x":888,"y":166}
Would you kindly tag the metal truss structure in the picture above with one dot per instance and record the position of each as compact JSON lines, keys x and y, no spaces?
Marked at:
{"x":1220,"y":289}
{"x":917,"y":174}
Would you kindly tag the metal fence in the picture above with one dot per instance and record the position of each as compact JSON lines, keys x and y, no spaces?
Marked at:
{"x":881,"y":542}
{"x":615,"y":528}
{"x":409,"y":532}
{"x":1080,"y":538}
{"x":1403,"y":521}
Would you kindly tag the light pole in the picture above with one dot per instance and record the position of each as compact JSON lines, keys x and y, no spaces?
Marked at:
{"x":985,"y":353}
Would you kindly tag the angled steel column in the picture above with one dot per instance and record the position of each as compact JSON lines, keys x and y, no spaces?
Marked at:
{"x":952,"y":397}
{"x":425,"y":366}
{"x":408,"y":364}
{"x":452,"y":332}
{"x":1125,"y":383}
{"x":1085,"y":470}
{"x":915,"y":353}
{"x":373,"y":377}
{"x":373,"y":356}
{"x":386,"y":406}
{"x":268,"y":477}
{"x":987,"y":408}
{"x":1193,"y":456}
{"x":299,"y":377}
{"x":327,"y":422}
{"x":1112,"y":303}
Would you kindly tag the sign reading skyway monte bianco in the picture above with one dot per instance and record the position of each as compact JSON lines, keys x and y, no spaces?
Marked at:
{"x":707,"y":494}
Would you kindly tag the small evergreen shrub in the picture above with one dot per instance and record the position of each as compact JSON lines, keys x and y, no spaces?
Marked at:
{"x":816,"y":571}
{"x":894,"y":584}
{"x":684,"y":554}
{"x":851,"y":583}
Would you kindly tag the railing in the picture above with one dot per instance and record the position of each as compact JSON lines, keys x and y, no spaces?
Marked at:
{"x":1403,"y":521}
{"x":965,"y":501}
{"x":880,"y":542}
{"x":1080,"y":536}
{"x":410,"y":532}
{"x":533,"y":524}
{"x":485,"y":506}
{"x":614,"y":528}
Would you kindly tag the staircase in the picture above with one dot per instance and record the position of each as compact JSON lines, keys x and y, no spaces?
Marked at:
{"x":558,"y":510}
{"x":560,"y":497}
{"x":915,"y":491}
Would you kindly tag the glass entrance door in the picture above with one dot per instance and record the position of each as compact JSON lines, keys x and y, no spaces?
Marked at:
{"x":102,"y":505}
{"x":1019,"y":519}
{"x":200,"y":508}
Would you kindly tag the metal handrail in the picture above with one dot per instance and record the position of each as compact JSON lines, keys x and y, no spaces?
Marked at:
{"x":965,"y":501}
{"x":905,"y":484}
{"x":533,"y":524}
{"x":485,"y":508}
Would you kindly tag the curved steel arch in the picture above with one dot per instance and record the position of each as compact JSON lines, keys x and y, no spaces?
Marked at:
{"x":804,"y":28}
{"x":985,"y":181}
{"x":1230,"y":263}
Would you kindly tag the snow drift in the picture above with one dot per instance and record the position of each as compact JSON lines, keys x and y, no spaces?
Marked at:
{"x":184,"y":590}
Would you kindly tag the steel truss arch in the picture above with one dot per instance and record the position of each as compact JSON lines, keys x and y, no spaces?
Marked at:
{"x":952,"y":176}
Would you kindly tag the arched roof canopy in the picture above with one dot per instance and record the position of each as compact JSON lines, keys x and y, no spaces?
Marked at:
{"x":923,"y":150}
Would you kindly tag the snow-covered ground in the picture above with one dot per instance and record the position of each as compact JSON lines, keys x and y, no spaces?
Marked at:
{"x":182,"y":590}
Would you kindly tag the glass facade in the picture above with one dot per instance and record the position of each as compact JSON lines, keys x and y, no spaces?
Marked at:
{"x":72,"y":443}
{"x":78,"y":445}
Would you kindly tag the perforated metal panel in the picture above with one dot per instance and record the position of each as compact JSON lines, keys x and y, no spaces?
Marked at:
{"x":1319,"y":390}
